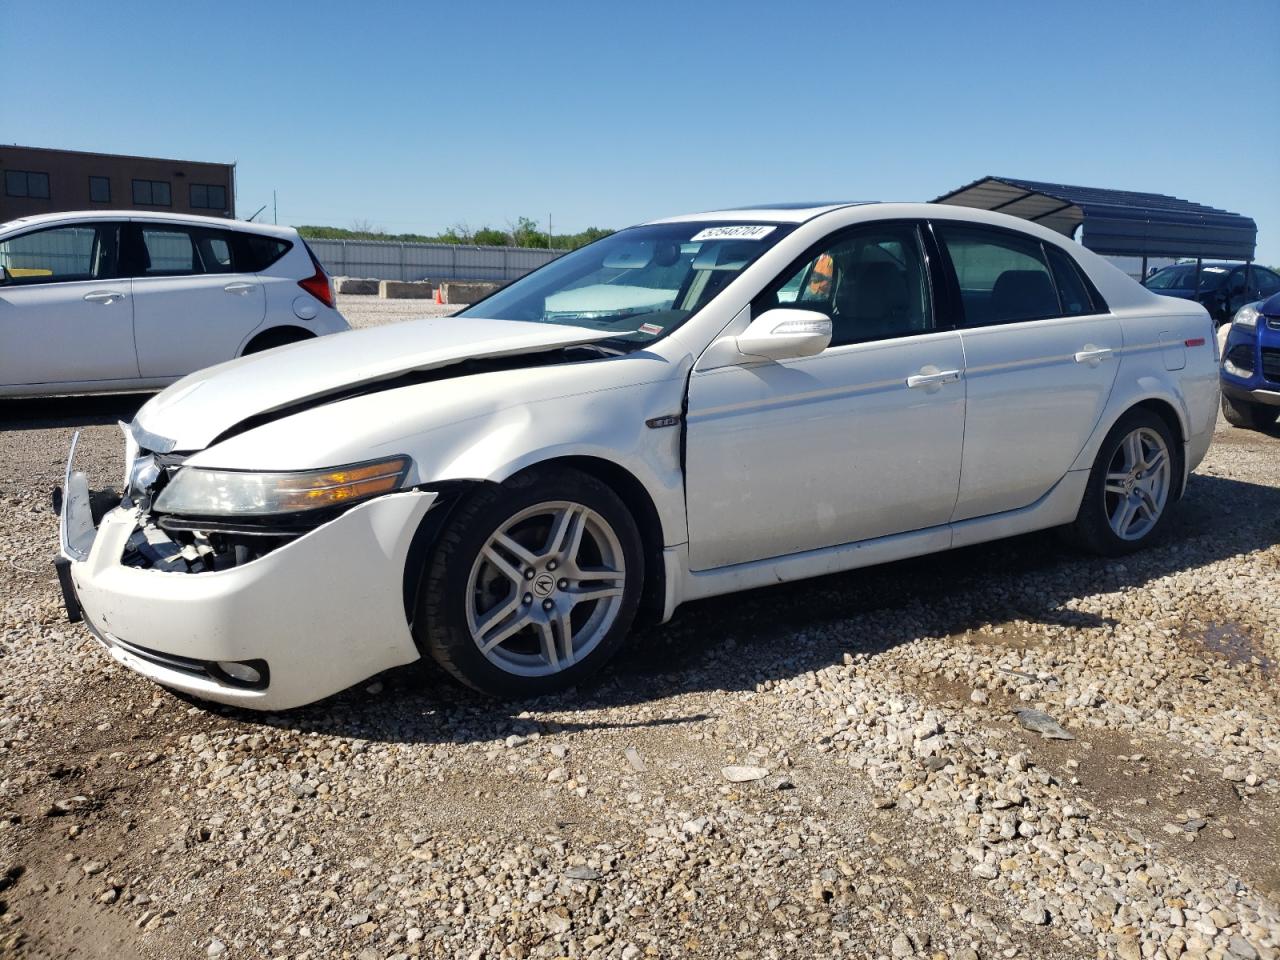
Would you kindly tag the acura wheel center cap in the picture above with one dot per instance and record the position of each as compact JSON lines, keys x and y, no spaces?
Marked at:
{"x":544,"y":585}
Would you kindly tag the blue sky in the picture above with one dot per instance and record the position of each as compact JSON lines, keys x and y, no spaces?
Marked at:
{"x":417,"y":116}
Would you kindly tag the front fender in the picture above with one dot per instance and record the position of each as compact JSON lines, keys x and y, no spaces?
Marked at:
{"x":490,"y":427}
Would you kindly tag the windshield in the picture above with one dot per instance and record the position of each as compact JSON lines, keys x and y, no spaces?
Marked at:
{"x":1183,"y":277}
{"x":638,"y":284}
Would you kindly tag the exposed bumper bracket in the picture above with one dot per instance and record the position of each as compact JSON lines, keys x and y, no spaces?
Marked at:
{"x":69,"y":598}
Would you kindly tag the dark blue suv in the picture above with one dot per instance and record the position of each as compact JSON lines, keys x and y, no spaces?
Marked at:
{"x":1224,"y":287}
{"x":1251,"y":366}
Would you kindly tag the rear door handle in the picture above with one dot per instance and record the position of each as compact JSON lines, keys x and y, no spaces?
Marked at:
{"x":241,"y":288}
{"x":923,"y":379}
{"x":103,"y":296}
{"x":1092,"y":354}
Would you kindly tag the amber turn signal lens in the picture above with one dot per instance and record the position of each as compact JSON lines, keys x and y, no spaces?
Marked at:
{"x":339,"y":486}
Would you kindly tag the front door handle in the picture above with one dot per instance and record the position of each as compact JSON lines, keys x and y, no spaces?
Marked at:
{"x":1093,"y":355}
{"x":103,"y":296}
{"x":932,"y":376}
{"x":240,"y":288}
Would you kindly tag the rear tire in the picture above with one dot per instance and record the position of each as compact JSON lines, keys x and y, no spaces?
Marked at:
{"x":1250,"y":416}
{"x":1131,"y":488}
{"x":533,"y":584}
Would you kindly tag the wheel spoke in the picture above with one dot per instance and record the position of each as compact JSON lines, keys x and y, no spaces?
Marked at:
{"x":1156,"y":462}
{"x":505,"y":566}
{"x":1132,"y":451}
{"x":566,"y":538}
{"x":564,"y":634}
{"x":517,"y":550}
{"x":1123,"y":516}
{"x":548,"y":640}
{"x":492,"y":633}
{"x":594,"y":590}
{"x":1147,"y":502}
{"x":1116,"y":483}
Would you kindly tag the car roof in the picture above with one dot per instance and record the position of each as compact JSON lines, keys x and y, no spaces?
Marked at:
{"x":852,"y":211}
{"x":788,"y":212}
{"x":82,"y":216}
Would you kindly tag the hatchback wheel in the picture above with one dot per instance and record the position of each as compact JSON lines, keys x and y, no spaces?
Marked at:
{"x":1131,"y":488}
{"x":1251,"y":416}
{"x":533,"y":584}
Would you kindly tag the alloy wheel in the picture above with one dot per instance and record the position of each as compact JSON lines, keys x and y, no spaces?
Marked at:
{"x":1138,"y":481}
{"x":545,"y":588}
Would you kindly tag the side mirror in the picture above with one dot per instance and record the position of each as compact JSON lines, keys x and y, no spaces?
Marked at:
{"x":785,"y":333}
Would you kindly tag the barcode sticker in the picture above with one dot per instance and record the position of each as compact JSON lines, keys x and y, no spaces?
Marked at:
{"x":738,"y":231}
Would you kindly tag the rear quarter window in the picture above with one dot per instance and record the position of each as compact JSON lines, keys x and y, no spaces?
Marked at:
{"x":257,"y":252}
{"x":1077,"y":294}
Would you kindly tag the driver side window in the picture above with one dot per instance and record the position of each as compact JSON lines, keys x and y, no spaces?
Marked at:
{"x":870,"y":281}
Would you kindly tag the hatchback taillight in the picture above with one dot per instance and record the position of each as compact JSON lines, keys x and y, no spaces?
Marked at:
{"x":318,"y":283}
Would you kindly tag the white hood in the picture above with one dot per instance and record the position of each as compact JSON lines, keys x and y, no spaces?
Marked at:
{"x":200,"y":407}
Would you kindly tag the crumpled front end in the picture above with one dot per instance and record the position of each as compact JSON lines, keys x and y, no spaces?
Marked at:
{"x":261,"y":620}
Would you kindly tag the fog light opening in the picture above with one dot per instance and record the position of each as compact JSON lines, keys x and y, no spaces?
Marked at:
{"x":241,"y":673}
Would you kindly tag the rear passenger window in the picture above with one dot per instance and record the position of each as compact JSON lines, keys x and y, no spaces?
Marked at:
{"x":1072,"y":290}
{"x":168,"y":252}
{"x":214,"y":248}
{"x":1003,"y":277}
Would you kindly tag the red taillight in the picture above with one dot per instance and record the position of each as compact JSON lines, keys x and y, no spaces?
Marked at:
{"x":318,"y":283}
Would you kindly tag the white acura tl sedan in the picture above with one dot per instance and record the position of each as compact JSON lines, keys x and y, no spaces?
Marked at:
{"x":690,"y":407}
{"x":103,"y":301}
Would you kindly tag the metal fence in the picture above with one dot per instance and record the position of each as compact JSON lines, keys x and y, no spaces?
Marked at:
{"x":427,"y":261}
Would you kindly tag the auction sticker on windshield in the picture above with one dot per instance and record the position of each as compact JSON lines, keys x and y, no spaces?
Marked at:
{"x":733,"y":232}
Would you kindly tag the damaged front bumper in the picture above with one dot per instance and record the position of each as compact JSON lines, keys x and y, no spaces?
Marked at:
{"x":312,"y":617}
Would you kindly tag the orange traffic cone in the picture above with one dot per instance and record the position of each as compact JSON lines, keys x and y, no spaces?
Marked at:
{"x":439,"y":299}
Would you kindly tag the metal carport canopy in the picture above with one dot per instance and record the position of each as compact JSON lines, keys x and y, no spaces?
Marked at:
{"x":1118,"y":223}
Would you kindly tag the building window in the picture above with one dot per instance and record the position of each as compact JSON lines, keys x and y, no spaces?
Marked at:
{"x":153,"y":193}
{"x":24,"y":183}
{"x":208,"y":196}
{"x":100,"y":189}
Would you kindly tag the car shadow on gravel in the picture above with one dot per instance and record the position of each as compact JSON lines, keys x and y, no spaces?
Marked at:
{"x":45,"y":413}
{"x":741,"y":641}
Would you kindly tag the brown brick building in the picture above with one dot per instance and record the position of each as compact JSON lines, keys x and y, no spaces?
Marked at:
{"x":40,"y":180}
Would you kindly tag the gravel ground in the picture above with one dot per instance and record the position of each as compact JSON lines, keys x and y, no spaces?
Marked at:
{"x":362,"y":311}
{"x":831,"y":768}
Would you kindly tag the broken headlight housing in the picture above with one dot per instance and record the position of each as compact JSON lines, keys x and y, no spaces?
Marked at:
{"x":204,"y":492}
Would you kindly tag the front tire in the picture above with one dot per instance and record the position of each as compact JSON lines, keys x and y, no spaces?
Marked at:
{"x":1250,"y":416}
{"x":1131,"y":488}
{"x":533,"y":585}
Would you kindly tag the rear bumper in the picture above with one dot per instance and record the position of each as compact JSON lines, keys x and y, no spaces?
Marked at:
{"x":320,"y":613}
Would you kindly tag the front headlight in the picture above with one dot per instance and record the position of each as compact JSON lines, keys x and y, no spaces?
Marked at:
{"x":1247,"y":317}
{"x":200,"y":492}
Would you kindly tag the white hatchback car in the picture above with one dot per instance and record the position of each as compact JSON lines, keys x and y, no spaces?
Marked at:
{"x":801,"y":390}
{"x":105,"y":301}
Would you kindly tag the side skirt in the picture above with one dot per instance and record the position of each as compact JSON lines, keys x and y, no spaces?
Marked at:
{"x":1058,"y":506}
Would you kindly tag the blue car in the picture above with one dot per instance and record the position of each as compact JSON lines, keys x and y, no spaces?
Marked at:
{"x":1251,"y":366}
